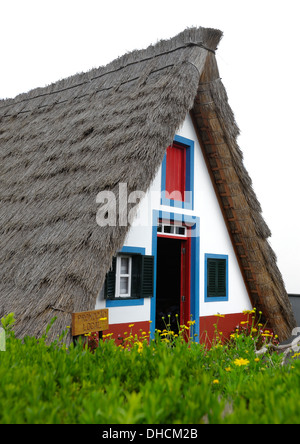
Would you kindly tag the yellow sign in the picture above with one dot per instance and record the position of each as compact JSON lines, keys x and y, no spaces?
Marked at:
{"x":89,"y":322}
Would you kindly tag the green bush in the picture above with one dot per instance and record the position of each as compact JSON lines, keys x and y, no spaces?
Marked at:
{"x":170,"y":381}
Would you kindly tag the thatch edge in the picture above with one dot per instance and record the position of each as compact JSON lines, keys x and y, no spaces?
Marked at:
{"x":218,"y":132}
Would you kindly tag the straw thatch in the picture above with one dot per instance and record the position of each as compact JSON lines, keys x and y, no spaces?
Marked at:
{"x":63,"y":144}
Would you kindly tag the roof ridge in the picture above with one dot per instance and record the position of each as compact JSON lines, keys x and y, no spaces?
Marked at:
{"x":14,"y":102}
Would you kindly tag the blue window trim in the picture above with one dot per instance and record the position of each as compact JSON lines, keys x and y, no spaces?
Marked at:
{"x":189,"y":182}
{"x":195,"y":258}
{"x":216,"y":299}
{"x":127,"y":302}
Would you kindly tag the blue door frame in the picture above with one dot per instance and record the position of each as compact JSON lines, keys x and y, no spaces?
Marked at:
{"x":194,"y":223}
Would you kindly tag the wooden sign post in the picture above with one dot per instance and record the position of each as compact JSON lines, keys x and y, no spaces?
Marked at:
{"x":91,"y":324}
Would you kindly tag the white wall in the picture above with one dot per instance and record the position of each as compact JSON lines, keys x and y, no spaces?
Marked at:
{"x":214,"y":239}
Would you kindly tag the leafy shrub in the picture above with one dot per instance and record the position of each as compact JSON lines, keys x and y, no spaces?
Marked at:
{"x":167,"y":381}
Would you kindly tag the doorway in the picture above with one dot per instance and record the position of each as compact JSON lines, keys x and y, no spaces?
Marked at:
{"x":173,"y":282}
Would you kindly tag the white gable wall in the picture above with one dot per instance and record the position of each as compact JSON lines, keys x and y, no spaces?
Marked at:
{"x":214,"y":236}
{"x":214,"y":239}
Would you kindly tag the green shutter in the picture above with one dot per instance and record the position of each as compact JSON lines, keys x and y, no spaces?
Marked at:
{"x":216,"y":278}
{"x":110,"y":281}
{"x":136,"y":276}
{"x":211,"y":278}
{"x":221,"y":291}
{"x":147,"y":276}
{"x":142,"y":276}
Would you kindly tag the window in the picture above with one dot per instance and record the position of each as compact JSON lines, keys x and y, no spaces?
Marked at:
{"x":216,"y":278}
{"x":130,"y":277}
{"x":177,"y":184}
{"x":173,"y":230}
{"x":175,"y":171}
{"x":123,"y":276}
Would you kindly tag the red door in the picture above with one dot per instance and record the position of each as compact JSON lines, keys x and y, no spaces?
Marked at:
{"x":172,"y":279}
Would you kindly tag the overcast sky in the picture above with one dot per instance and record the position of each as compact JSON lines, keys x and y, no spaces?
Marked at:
{"x":45,"y":40}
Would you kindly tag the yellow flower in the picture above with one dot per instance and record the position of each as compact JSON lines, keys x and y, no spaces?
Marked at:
{"x":248,"y":312}
{"x":140,"y":347}
{"x":131,"y":325}
{"x":218,"y":315}
{"x":103,"y":319}
{"x":228,"y":369}
{"x":244,"y":322}
{"x":234,"y":336}
{"x":241,"y":362}
{"x":256,"y":360}
{"x":216,"y":381}
{"x":129,"y":338}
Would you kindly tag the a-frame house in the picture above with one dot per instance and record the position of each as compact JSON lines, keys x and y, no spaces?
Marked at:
{"x":124,"y":187}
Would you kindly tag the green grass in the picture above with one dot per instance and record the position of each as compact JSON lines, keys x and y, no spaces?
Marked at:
{"x":161,"y":383}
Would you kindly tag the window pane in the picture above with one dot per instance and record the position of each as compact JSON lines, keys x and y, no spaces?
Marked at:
{"x":124,"y":265}
{"x":180,"y":230}
{"x":124,"y":284}
{"x":169,"y":229}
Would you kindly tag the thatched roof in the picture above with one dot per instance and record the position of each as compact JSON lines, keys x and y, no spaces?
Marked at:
{"x":63,"y":144}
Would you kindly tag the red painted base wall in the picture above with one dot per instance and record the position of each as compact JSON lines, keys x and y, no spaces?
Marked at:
{"x":226,"y":325}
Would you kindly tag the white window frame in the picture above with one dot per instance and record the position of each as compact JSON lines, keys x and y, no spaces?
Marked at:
{"x":119,"y":276}
{"x":164,"y":229}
